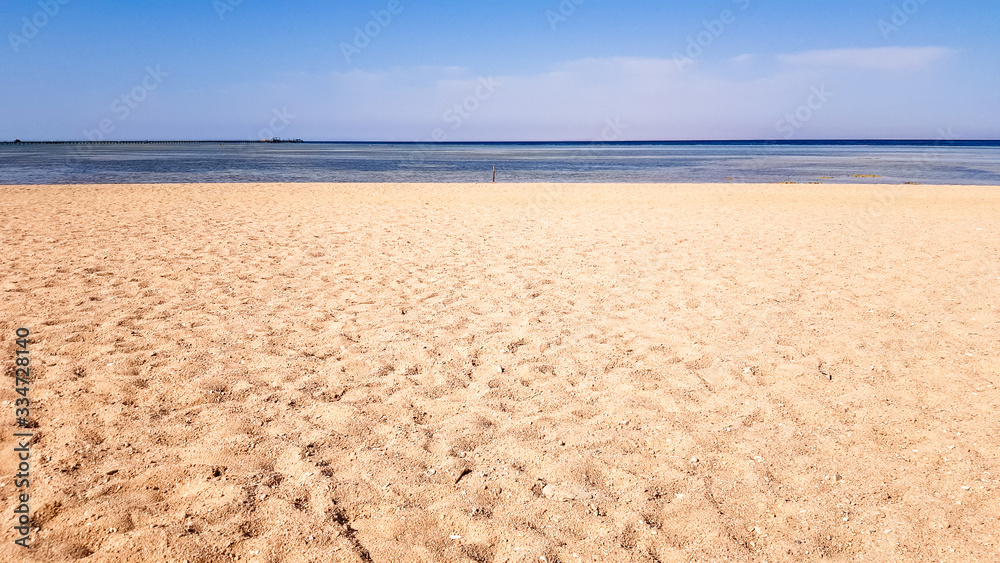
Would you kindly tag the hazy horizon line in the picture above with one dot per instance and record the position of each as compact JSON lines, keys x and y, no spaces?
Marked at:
{"x":523,"y":142}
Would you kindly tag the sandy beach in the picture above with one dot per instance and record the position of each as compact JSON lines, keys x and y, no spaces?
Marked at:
{"x":497,"y":373}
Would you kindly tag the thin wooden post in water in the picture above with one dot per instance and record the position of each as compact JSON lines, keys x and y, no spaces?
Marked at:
{"x":494,"y":173}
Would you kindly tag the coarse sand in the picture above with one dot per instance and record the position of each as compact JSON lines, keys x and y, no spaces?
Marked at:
{"x":504,"y":372}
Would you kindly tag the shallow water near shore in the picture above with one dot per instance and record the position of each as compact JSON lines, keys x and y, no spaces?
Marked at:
{"x":971,"y":163}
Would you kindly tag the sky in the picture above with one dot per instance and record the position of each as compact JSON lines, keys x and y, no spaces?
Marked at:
{"x":510,"y":70}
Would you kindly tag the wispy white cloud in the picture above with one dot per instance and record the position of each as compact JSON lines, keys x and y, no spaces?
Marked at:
{"x":744,"y":58}
{"x":653,"y":98}
{"x":877,"y":58}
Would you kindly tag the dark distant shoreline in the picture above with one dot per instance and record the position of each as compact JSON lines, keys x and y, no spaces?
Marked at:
{"x":794,"y":142}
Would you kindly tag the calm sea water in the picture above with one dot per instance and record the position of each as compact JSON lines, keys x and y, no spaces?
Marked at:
{"x":836,"y":162}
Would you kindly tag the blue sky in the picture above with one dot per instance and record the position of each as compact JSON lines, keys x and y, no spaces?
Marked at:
{"x":491,"y":70}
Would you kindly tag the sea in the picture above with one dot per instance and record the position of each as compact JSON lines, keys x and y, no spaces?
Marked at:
{"x":853,"y":162}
